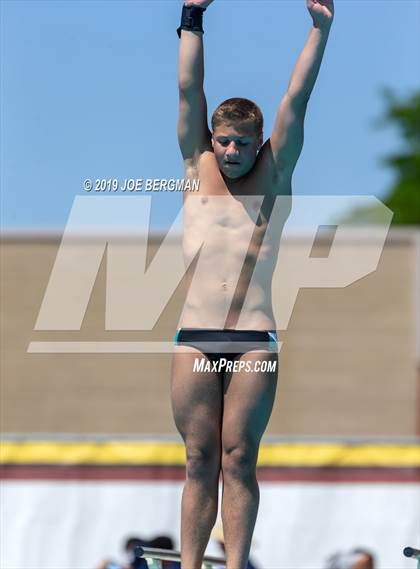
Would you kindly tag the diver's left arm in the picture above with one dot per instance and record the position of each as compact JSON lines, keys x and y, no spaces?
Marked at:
{"x":287,"y":137}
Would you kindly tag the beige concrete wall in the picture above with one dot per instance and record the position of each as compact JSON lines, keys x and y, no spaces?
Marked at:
{"x":348,"y":363}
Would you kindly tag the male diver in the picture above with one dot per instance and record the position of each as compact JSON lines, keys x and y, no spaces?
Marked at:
{"x":231,"y":237}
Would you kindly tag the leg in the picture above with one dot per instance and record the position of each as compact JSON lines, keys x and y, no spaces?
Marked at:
{"x":248,"y":401}
{"x":197,"y":406}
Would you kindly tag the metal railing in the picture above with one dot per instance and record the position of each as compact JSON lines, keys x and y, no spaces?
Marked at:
{"x":154,"y":557}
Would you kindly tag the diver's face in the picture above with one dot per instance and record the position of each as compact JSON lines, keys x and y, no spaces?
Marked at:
{"x":235,"y":148}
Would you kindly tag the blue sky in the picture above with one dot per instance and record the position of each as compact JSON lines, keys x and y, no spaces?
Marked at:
{"x":89,"y":91}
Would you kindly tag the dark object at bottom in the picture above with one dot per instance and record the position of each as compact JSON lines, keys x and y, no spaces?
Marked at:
{"x":411,"y":552}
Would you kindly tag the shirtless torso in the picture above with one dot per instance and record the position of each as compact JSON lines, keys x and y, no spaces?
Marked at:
{"x":240,"y":232}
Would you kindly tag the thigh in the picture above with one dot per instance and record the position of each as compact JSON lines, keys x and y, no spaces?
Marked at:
{"x":197,"y":401}
{"x":248,"y":401}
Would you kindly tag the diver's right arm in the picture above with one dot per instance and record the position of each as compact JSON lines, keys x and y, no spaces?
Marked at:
{"x":193,"y":133}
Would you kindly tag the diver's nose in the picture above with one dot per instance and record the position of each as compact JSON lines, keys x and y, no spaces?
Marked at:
{"x":232,"y":150}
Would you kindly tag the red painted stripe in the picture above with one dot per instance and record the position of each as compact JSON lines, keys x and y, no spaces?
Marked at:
{"x":90,"y":472}
{"x":177,"y":473}
{"x":339,"y":474}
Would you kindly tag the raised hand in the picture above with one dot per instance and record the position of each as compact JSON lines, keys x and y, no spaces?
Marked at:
{"x":322,"y":12}
{"x":198,"y":3}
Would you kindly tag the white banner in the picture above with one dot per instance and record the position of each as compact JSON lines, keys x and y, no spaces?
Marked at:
{"x":75,"y":525}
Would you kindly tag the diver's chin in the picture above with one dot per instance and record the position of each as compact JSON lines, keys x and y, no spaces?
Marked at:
{"x":230,"y":176}
{"x":232,"y":173}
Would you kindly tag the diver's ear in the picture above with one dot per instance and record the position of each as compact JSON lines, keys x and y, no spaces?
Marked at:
{"x":212,"y":141}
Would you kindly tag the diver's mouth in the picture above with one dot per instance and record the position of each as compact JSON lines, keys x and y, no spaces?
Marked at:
{"x":232,"y":163}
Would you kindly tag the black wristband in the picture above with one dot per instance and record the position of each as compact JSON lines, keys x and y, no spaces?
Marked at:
{"x":191,"y":19}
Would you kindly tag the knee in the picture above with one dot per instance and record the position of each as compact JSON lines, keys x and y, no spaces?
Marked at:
{"x":239,"y":462}
{"x":202,"y":463}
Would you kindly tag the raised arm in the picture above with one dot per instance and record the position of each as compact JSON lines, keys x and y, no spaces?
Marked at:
{"x":287,"y":136}
{"x":193,"y":132}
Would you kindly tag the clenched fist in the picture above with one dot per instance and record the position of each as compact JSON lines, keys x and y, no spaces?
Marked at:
{"x":322,"y":12}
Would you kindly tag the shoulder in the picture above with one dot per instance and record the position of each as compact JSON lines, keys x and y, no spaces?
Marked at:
{"x":196,"y":159}
{"x":275,"y":177}
{"x":202,"y":168}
